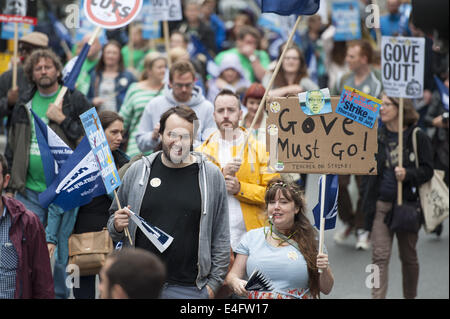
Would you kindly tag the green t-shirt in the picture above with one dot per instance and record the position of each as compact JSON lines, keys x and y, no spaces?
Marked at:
{"x":245,"y":62}
{"x":84,"y":78}
{"x":35,"y":175}
{"x":138,"y":57}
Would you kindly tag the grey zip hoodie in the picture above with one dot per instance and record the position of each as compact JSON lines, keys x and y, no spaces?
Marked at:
{"x":214,"y":233}
{"x":157,"y":106}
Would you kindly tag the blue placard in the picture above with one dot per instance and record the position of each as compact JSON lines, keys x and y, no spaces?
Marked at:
{"x":346,"y":18}
{"x":358,"y":106}
{"x":100,"y":148}
{"x":8,"y":30}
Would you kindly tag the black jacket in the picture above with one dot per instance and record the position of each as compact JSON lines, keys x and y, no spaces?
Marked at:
{"x":414,"y":176}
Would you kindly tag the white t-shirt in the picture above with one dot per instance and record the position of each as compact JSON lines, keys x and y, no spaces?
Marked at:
{"x":237,"y":224}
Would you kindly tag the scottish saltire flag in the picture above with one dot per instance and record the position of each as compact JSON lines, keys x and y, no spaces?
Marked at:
{"x":331,"y":202}
{"x":288,"y":7}
{"x":443,"y":90}
{"x":159,"y":238}
{"x":54,"y":152}
{"x":73,"y":68}
{"x":78,"y":182}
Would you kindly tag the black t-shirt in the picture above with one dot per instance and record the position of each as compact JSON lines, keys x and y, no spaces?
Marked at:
{"x":388,"y":186}
{"x":172,"y":202}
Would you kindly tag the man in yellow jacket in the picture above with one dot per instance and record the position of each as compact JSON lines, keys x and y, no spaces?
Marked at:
{"x":246,"y":179}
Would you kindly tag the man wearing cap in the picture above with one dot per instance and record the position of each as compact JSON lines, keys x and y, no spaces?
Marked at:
{"x":9,"y":96}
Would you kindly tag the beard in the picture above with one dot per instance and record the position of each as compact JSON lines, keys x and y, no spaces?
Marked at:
{"x":45,"y":82}
{"x":172,"y":154}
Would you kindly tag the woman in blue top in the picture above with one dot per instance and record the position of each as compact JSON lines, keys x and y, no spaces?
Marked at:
{"x":286,"y":252}
{"x":109,"y":80}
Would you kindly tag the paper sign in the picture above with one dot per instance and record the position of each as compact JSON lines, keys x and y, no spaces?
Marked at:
{"x":321,"y":144}
{"x":346,"y":20}
{"x":315,"y":102}
{"x":112,"y":14}
{"x":165,"y":10}
{"x":18,"y":11}
{"x":358,"y":106}
{"x":102,"y":152}
{"x":402,"y":65}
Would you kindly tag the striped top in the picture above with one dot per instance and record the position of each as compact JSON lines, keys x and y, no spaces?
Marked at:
{"x":134,"y":104}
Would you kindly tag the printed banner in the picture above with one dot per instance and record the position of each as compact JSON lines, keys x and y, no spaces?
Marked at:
{"x":358,"y":106}
{"x":18,"y":11}
{"x":102,"y":152}
{"x":402,"y":65}
{"x":165,"y":10}
{"x":346,"y":19}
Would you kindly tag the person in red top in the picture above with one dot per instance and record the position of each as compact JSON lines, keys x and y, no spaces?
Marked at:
{"x":25,"y":271}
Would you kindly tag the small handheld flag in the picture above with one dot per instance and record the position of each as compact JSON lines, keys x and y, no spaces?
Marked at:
{"x":159,"y":238}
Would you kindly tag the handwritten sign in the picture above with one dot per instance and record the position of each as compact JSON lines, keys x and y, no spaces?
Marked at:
{"x":165,"y":10}
{"x":358,"y":106}
{"x":322,"y":144}
{"x":100,"y":148}
{"x":402,"y":65}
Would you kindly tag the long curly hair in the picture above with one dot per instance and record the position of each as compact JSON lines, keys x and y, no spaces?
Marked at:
{"x":305,"y":235}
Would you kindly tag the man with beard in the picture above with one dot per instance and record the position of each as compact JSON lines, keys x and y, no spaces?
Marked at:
{"x":246,"y":179}
{"x":9,"y":96}
{"x":181,"y":91}
{"x":184,"y":195}
{"x":44,"y":71}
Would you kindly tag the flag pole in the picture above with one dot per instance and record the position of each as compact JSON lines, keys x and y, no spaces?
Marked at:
{"x":64,"y":89}
{"x":400,"y":150}
{"x":16,"y":49}
{"x":127,"y":232}
{"x":322,"y":219}
{"x":269,"y":87}
{"x":167,"y":42}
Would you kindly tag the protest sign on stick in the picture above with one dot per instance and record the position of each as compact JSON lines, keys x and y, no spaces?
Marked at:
{"x":169,"y":10}
{"x":402,"y":65}
{"x":318,"y":144}
{"x":346,"y":19}
{"x":18,"y":11}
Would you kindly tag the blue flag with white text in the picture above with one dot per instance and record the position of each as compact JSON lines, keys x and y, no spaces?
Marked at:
{"x":78,"y":182}
{"x":54,"y":152}
{"x":288,"y":7}
{"x":331,"y":202}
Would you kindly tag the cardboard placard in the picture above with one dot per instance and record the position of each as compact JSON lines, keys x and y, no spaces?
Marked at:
{"x":402,"y":66}
{"x":321,"y":144}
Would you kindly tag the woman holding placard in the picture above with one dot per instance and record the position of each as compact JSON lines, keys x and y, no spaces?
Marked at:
{"x":93,"y":217}
{"x":285,"y":252}
{"x":381,"y":193}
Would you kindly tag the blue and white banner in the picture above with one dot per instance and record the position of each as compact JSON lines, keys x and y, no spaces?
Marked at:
{"x":330,"y":204}
{"x":8,"y":30}
{"x":346,"y":19}
{"x":159,"y":238}
{"x":54,"y":152}
{"x":78,"y":181}
{"x":100,"y":148}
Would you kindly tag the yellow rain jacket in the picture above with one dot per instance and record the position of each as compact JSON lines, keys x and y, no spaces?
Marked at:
{"x":253,"y":176}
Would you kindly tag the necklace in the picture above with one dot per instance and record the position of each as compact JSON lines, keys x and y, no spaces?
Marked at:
{"x":279,"y":236}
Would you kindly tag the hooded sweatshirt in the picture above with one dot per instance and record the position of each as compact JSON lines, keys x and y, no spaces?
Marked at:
{"x":156,"y":107}
{"x":214,"y":234}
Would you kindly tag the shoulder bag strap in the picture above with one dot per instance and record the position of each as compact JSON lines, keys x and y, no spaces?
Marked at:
{"x":414,"y":138}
